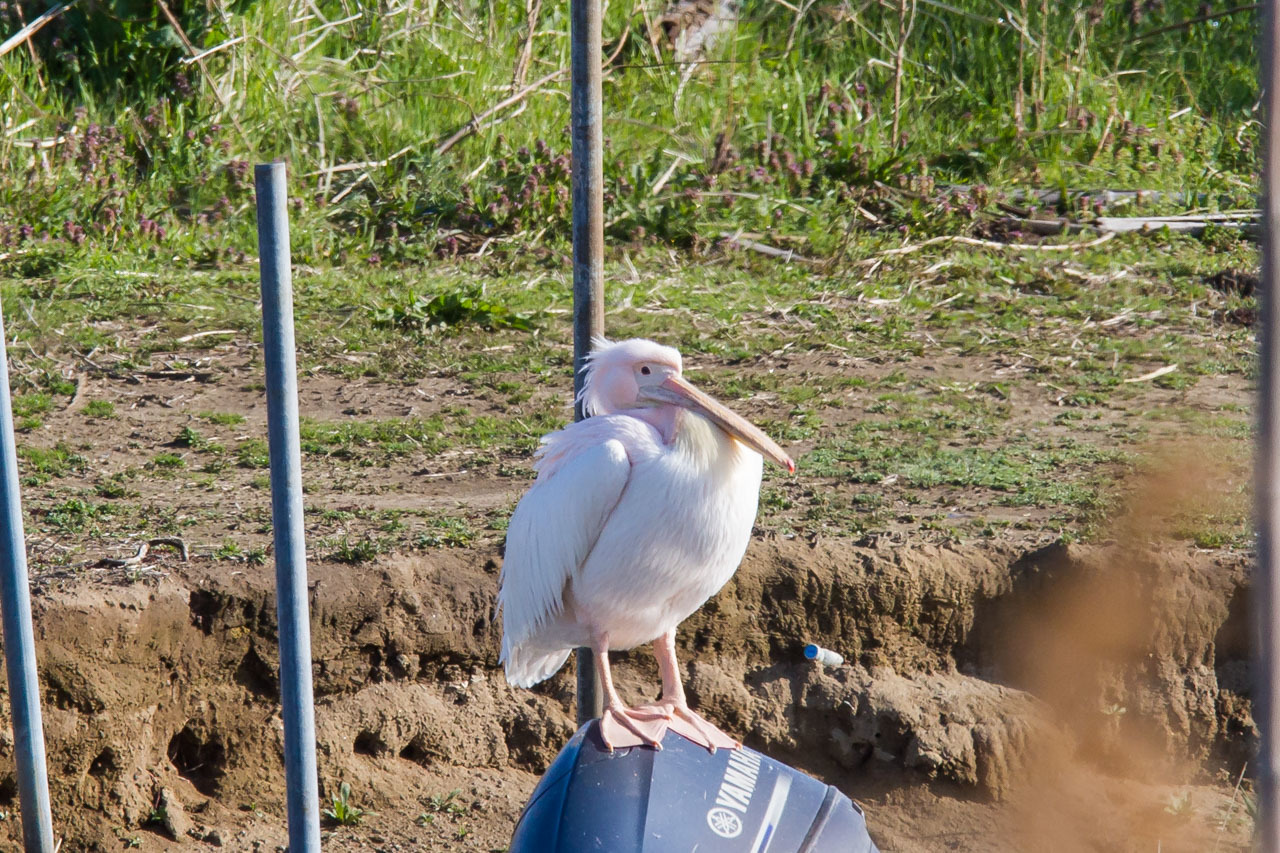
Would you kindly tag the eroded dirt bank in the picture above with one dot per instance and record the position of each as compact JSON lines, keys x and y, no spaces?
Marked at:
{"x":1068,"y":698}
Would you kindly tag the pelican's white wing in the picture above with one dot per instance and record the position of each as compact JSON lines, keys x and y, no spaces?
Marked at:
{"x":583,"y":472}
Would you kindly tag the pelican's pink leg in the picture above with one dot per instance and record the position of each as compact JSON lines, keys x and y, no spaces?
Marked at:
{"x":683,"y":720}
{"x":619,"y":725}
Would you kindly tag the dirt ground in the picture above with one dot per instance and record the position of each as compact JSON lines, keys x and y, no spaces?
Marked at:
{"x":1004,"y":694}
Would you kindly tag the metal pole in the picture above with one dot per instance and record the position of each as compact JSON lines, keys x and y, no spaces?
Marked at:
{"x":1267,"y":581}
{"x":20,"y":642}
{"x":588,"y":243}
{"x":286,"y":509}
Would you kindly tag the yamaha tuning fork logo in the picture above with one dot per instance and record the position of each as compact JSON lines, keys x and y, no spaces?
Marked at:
{"x":724,"y":823}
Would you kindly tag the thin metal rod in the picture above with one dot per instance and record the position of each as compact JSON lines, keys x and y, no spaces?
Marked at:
{"x":588,"y":243}
{"x":286,"y":510}
{"x":19,"y":640}
{"x":1266,"y":709}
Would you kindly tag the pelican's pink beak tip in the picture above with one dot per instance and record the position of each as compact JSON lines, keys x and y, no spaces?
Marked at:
{"x":791,"y":466}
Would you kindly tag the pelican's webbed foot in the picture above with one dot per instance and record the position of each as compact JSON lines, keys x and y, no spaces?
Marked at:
{"x":622,"y":727}
{"x":684,"y":721}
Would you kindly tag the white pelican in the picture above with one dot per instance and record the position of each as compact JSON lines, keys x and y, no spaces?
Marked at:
{"x":639,"y":514}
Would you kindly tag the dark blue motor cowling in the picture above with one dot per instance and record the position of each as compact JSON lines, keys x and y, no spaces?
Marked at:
{"x":680,"y":799}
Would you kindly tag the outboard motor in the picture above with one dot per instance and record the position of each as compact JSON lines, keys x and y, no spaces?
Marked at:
{"x":683,"y":798}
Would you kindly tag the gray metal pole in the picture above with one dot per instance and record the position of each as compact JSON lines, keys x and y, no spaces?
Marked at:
{"x":20,"y":641}
{"x":1266,"y":709}
{"x":286,"y":509}
{"x":588,"y":243}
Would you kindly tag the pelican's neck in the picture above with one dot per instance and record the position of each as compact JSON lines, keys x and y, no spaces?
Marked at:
{"x":665,"y":419}
{"x":707,"y":446}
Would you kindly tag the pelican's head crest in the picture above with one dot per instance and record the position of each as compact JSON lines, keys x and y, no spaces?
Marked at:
{"x":610,"y":381}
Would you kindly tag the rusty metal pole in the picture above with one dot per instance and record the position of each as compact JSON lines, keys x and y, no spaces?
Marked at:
{"x":588,"y":243}
{"x":1266,"y":709}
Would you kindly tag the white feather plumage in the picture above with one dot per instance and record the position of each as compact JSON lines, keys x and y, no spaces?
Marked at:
{"x":622,"y":532}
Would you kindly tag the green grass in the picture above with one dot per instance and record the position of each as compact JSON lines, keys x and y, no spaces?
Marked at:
{"x":39,"y":465}
{"x":1042,"y":318}
{"x":156,"y":166}
{"x":253,"y":453}
{"x":168,"y":460}
{"x":189,"y":437}
{"x":342,"y":812}
{"x":445,"y":531}
{"x":453,"y":270}
{"x":1074,"y":330}
{"x":29,"y":405}
{"x":355,"y":551}
{"x":380,"y":441}
{"x":222,"y":418}
{"x":103,"y":409}
{"x":74,"y":515}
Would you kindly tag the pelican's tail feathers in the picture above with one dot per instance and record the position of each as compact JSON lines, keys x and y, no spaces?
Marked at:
{"x":526,"y":667}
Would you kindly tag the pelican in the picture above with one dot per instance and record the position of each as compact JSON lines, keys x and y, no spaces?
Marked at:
{"x":638,"y":515}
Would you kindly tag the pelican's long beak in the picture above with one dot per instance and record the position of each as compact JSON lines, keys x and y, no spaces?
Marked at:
{"x":677,"y":391}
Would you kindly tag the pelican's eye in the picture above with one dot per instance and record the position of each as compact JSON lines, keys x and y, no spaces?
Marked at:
{"x":645,"y":370}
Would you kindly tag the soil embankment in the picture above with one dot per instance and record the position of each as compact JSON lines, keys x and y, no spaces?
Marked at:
{"x":1095,"y":697}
